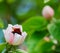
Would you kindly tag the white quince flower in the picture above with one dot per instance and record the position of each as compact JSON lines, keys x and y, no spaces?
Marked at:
{"x":14,"y":35}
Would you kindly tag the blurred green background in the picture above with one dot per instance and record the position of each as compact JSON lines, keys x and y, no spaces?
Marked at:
{"x":28,"y":13}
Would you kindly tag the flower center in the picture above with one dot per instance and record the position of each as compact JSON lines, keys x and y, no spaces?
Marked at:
{"x":16,"y":30}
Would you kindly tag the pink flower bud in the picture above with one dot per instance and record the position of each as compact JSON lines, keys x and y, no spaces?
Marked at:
{"x":47,"y":12}
{"x":14,"y":35}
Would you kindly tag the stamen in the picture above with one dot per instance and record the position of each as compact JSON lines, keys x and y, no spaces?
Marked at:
{"x":16,"y":30}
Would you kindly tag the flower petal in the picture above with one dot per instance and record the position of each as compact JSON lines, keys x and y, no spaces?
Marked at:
{"x":9,"y":25}
{"x":9,"y":28}
{"x":17,"y":39}
{"x":11,"y":38}
{"x":6,"y":35}
{"x":24,"y":34}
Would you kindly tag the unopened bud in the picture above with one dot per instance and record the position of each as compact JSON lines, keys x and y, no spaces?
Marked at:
{"x":47,"y":12}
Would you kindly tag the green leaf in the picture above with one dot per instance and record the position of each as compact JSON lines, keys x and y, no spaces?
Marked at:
{"x":33,"y":24}
{"x":43,"y":46}
{"x":2,"y":46}
{"x":54,"y":29}
{"x":35,"y":39}
{"x":1,"y":1}
{"x":3,"y":10}
{"x":10,"y":1}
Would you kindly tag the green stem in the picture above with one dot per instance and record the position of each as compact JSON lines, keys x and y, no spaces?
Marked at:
{"x":10,"y":48}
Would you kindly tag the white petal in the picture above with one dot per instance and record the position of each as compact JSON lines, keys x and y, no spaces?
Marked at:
{"x":20,"y":27}
{"x":9,"y":28}
{"x":17,"y":39}
{"x":24,"y":34}
{"x":6,"y":35}
{"x":9,"y":25}
{"x":16,"y":26}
